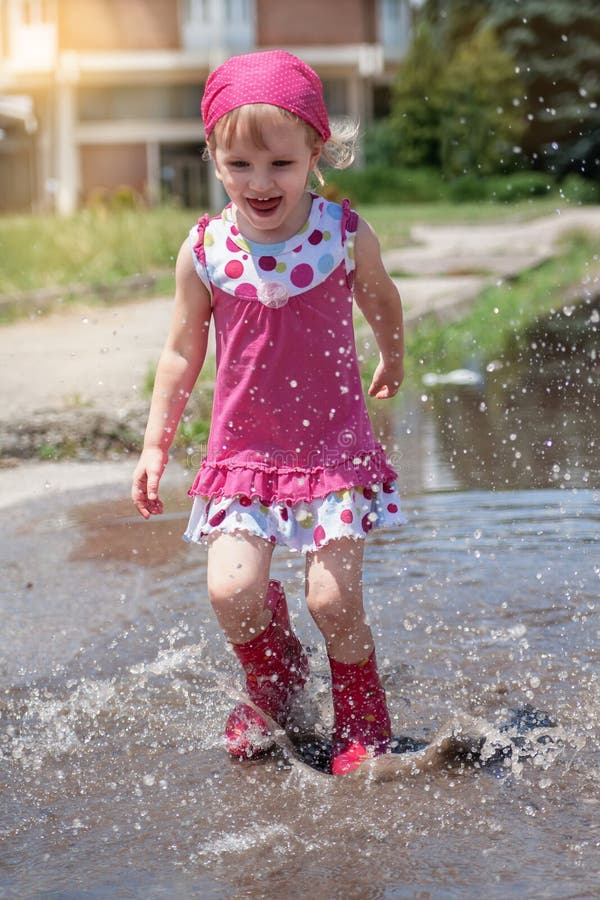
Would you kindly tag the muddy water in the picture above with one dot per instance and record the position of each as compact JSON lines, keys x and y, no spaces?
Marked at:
{"x":114,"y":684}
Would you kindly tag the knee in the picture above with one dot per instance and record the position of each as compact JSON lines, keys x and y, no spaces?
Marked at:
{"x":241,"y":589}
{"x":239,"y":604}
{"x":333,"y":609}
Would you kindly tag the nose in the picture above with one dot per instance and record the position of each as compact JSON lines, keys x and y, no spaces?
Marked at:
{"x":261,"y":178}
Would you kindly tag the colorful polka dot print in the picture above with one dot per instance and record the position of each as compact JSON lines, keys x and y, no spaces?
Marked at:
{"x":303,"y":526}
{"x":272,"y":273}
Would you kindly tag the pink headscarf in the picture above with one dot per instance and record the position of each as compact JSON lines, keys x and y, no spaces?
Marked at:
{"x":272,"y":76}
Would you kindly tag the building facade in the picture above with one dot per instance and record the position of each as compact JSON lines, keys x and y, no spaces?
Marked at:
{"x":102,"y":96}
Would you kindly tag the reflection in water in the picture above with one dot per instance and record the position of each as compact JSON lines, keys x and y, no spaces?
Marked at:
{"x":519,"y":434}
{"x":532,"y":424}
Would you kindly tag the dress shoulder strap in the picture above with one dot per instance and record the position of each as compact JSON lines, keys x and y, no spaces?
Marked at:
{"x":349,"y":226}
{"x":199,"y":243}
{"x":198,"y":252}
{"x":349,"y":221}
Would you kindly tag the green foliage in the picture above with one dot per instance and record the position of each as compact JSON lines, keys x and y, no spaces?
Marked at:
{"x":501,"y":188}
{"x":497,"y":320}
{"x":453,"y":21}
{"x":387,"y":185}
{"x":454,"y":106}
{"x":192,"y":432}
{"x":379,"y":144}
{"x":578,"y":190}
{"x":519,"y":186}
{"x":479,"y":124}
{"x":415,"y":116}
{"x":555,"y":45}
{"x":383,"y":184}
{"x":95,"y":246}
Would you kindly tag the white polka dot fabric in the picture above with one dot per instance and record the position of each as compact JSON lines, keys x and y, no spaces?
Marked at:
{"x":270,"y":76}
{"x":271,"y":273}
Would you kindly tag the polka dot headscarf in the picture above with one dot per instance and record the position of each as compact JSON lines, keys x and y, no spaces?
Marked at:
{"x":272,"y":76}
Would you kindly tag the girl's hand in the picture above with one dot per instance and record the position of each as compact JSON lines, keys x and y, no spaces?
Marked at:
{"x":146,"y":479}
{"x":387,"y":378}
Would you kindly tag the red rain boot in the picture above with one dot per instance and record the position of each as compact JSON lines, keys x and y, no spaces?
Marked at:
{"x":361,"y":720}
{"x":276,"y":669}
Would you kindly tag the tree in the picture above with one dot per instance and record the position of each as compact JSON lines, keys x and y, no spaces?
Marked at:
{"x":480,"y":120}
{"x":415,"y":116}
{"x":557,"y":46}
{"x":453,"y":104}
{"x":454,"y":21}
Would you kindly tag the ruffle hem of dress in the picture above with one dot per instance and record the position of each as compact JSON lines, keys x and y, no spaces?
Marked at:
{"x":304,"y":526}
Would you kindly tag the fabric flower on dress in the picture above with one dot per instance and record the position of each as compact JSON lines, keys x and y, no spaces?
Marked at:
{"x":273,"y":294}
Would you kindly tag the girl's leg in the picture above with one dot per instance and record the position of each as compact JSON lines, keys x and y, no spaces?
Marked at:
{"x":334,"y":599}
{"x":253,"y":613}
{"x":238,"y":578}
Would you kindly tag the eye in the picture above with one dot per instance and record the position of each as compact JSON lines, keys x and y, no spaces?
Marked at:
{"x":238,"y":164}
{"x":281,"y":163}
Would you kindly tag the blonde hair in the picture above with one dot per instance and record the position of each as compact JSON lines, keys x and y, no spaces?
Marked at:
{"x":338,"y":152}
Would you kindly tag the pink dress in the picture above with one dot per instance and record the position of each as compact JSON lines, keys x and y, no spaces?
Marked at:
{"x":291,"y":455}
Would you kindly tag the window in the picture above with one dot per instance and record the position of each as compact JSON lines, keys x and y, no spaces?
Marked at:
{"x":205,"y":11}
{"x":225,"y":24}
{"x":196,"y":11}
{"x":36,"y":12}
{"x":97,"y":104}
{"x":336,"y":96}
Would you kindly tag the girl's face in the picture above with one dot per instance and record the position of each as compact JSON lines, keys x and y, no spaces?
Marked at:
{"x":267,"y":183}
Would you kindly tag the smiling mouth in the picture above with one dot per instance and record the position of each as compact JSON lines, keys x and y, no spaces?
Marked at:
{"x":264,"y":205}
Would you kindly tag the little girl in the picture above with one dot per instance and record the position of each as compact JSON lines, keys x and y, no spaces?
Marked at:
{"x":291,"y":457}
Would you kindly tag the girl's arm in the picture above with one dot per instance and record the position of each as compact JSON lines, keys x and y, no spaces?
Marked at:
{"x":178,"y":368}
{"x":378,"y":299}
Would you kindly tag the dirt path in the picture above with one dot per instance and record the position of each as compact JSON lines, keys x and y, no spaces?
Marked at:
{"x":96,"y":355}
{"x":95,"y":360}
{"x":449,"y":265}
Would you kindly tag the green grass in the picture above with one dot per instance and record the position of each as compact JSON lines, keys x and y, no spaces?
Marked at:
{"x":494,"y":326}
{"x":99,"y":246}
{"x":96,"y":247}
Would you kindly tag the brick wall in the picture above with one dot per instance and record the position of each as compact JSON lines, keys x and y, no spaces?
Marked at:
{"x":315,"y":22}
{"x":118,"y":25}
{"x":109,"y":166}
